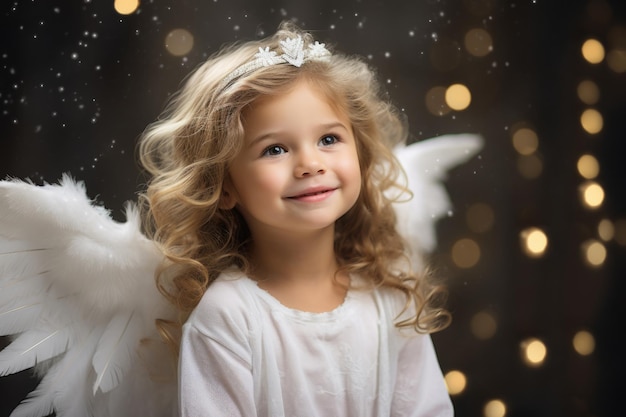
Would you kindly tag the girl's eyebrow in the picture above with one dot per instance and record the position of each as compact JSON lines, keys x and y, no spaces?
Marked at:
{"x":323,"y":126}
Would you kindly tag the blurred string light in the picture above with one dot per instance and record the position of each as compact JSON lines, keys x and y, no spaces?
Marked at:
{"x":616,"y":60}
{"x":483,"y":325}
{"x":588,"y":166}
{"x":179,"y":42}
{"x":465,"y":253}
{"x":594,"y":253}
{"x":591,"y":194}
{"x":593,"y":51}
{"x":534,"y":242}
{"x":526,"y":143}
{"x":436,"y":101}
{"x":534,"y":352}
{"x":478,"y":42}
{"x":494,"y":408}
{"x":584,"y":343}
{"x":455,"y":382}
{"x":458,"y":97}
{"x":588,"y":92}
{"x":591,"y":120}
{"x":126,"y":7}
{"x":606,"y":230}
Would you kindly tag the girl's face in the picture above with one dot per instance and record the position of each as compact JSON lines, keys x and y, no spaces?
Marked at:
{"x":298,"y":170}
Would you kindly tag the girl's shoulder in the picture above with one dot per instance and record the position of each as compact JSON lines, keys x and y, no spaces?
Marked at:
{"x":227,"y":301}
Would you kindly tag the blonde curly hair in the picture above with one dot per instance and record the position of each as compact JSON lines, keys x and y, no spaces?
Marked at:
{"x":188,"y":152}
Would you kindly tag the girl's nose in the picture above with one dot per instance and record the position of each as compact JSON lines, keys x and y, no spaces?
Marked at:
{"x":309,"y":163}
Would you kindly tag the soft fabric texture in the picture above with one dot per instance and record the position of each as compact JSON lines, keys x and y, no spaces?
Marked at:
{"x":245,"y":354}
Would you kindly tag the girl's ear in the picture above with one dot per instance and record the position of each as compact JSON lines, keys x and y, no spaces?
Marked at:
{"x":227,"y":199}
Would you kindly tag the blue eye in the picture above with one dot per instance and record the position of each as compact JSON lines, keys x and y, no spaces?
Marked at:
{"x":274,"y":150}
{"x":328,"y":140}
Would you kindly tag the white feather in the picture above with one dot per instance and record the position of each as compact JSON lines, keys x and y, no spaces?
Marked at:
{"x":33,"y":347}
{"x":426,"y":164}
{"x":116,"y":351}
{"x":66,"y":263}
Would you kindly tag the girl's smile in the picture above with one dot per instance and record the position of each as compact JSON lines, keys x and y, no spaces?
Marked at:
{"x":299,"y":168}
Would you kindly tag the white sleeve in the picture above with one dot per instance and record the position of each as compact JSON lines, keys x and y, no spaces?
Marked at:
{"x":420,"y":389}
{"x":214,"y":380}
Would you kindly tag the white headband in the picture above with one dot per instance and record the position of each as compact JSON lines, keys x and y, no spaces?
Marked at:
{"x":291,"y":52}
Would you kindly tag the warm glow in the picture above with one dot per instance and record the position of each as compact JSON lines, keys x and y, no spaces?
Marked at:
{"x":529,"y":167}
{"x":456,"y":382}
{"x":534,"y":242}
{"x":594,"y":253}
{"x":483,"y":325}
{"x":458,"y":97}
{"x":465,"y":253}
{"x":179,"y":42}
{"x":588,"y":92}
{"x":478,"y":42}
{"x":592,"y":121}
{"x":495,"y":408}
{"x":126,"y":6}
{"x":588,"y":166}
{"x":436,"y":101}
{"x":592,"y":194}
{"x":534,"y":352}
{"x":606,"y":230}
{"x":479,"y":217}
{"x":593,"y":51}
{"x":616,"y":60}
{"x":525,"y":141}
{"x":584,"y":343}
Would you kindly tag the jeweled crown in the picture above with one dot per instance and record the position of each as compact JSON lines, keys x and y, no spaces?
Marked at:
{"x":290,"y":51}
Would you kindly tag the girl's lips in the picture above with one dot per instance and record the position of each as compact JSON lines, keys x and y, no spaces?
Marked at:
{"x":313,"y":195}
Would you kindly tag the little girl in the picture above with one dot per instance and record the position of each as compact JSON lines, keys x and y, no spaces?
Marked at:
{"x":270,"y":197}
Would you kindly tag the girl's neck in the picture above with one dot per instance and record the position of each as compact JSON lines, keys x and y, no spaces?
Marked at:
{"x":301,"y":273}
{"x":306,"y":258}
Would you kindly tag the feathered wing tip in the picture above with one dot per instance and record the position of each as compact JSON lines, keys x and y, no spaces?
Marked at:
{"x":79,"y":290}
{"x":426,"y":164}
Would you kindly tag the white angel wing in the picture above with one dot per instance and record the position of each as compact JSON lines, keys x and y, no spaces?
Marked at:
{"x":78,"y":290}
{"x":426,"y":164}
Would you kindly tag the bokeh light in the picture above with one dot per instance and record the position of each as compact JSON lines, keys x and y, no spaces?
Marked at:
{"x":126,"y":7}
{"x":483,"y":325}
{"x":593,"y":51}
{"x":529,"y":167}
{"x":584,"y":343}
{"x":591,"y":194}
{"x":478,"y":42}
{"x":606,"y":230}
{"x":436,"y":101}
{"x":534,"y":352}
{"x":525,"y":141}
{"x":594,"y":253}
{"x":456,"y":381}
{"x":534,"y":242}
{"x":479,"y":217}
{"x":592,"y":121}
{"x":588,"y":92}
{"x":588,"y":166}
{"x":465,"y":253}
{"x":495,"y":408}
{"x":616,"y":60}
{"x":458,"y":97}
{"x":179,"y":42}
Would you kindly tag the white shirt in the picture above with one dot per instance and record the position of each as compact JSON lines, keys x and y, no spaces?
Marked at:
{"x":245,"y":354}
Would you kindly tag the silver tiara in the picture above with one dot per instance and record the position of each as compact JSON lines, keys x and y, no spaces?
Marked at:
{"x":291,"y":51}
